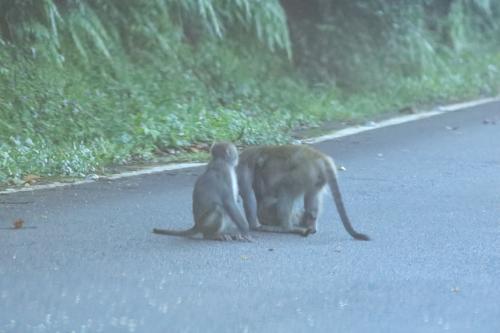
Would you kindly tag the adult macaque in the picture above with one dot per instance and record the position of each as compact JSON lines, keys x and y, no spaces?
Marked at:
{"x":273,"y":178}
{"x":215,"y":197}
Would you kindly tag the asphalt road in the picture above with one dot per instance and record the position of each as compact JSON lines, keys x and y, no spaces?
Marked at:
{"x":427,"y":192}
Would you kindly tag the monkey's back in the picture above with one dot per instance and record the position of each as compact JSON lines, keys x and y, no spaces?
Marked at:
{"x":294,"y":167}
{"x":211,"y":188}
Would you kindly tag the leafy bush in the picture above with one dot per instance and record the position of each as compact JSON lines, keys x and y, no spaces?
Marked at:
{"x":87,"y":84}
{"x":356,"y":43}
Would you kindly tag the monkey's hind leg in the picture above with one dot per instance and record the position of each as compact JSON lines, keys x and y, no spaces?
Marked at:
{"x":217,"y":226}
{"x":312,"y":204}
{"x":278,"y":218}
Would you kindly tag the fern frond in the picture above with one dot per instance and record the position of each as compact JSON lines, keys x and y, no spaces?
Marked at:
{"x":53,"y":15}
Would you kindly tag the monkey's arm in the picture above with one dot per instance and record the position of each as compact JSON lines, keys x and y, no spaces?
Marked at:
{"x":247,"y":193}
{"x":235,"y":215}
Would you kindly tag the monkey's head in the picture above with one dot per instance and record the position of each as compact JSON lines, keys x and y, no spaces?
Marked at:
{"x":226,"y":151}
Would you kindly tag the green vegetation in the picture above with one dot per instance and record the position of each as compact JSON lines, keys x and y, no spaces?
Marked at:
{"x":87,"y":84}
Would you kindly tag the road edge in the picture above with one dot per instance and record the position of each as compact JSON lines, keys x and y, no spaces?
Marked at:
{"x":334,"y":135}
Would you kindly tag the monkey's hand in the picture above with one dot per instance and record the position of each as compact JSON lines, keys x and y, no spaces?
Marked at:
{"x":255,"y":226}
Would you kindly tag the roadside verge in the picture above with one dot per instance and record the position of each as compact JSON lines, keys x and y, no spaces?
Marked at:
{"x":337,"y":134}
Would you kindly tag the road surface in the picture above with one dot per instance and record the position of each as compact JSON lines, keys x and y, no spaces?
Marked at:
{"x":427,"y":192}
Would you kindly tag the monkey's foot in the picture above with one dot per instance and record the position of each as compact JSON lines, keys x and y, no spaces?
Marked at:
{"x":243,"y":238}
{"x":222,"y":237}
{"x":307,"y":232}
{"x":234,"y":237}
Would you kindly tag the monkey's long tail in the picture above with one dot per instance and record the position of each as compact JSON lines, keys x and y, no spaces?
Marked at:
{"x":334,"y":188}
{"x":183,"y":233}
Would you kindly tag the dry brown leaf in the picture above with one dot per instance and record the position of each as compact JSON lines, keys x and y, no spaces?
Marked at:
{"x":30,"y":179}
{"x":202,"y":146}
{"x":18,"y":224}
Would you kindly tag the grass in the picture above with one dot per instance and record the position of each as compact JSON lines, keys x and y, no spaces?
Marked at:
{"x":64,"y":114}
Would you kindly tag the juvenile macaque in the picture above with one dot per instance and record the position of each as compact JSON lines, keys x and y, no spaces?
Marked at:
{"x":215,"y":210}
{"x":273,"y":178}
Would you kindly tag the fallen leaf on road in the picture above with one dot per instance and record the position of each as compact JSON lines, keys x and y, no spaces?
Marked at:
{"x":18,"y":224}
